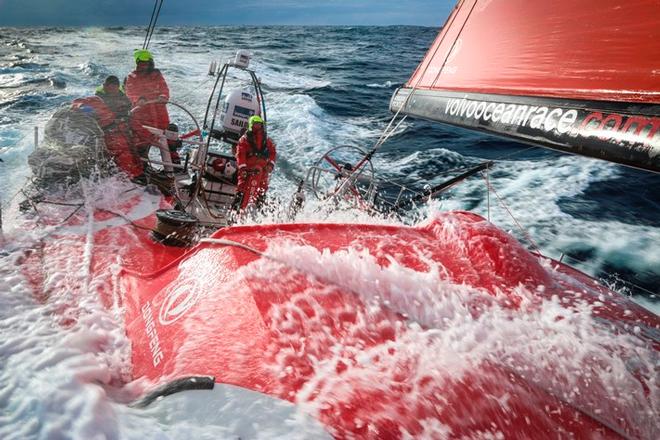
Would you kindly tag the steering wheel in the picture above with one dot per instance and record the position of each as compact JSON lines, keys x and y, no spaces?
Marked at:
{"x":343,"y":173}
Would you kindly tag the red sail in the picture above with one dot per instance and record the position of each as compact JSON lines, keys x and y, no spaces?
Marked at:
{"x":582,"y":77}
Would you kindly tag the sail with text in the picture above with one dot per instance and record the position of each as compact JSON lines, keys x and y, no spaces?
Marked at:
{"x":580,"y":77}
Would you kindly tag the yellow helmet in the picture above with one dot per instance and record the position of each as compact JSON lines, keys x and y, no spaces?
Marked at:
{"x":142,"y":55}
{"x":255,"y":119}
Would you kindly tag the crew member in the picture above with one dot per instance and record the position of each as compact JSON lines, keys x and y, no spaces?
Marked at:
{"x":110,"y":108}
{"x":148,"y":92}
{"x":255,"y":159}
{"x":114,"y":97}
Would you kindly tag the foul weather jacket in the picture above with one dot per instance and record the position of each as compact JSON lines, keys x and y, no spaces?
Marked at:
{"x":148,"y":85}
{"x":116,"y":133}
{"x":255,"y":160}
{"x":118,"y":103}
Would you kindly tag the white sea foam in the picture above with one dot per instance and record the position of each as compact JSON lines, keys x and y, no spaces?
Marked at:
{"x":289,"y":78}
{"x":53,"y":378}
{"x":305,"y":130}
{"x":13,"y":80}
{"x":386,"y":84}
{"x":444,"y":340}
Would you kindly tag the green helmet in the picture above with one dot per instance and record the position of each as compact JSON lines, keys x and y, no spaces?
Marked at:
{"x":142,"y":55}
{"x":255,"y":119}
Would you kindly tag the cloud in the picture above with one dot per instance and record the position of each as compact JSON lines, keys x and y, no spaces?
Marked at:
{"x":222,"y":12}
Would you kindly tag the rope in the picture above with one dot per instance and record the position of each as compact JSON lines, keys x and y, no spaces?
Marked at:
{"x":504,"y":205}
{"x":454,"y":43}
{"x":184,"y":97}
{"x":409,"y":190}
{"x":625,"y":283}
{"x":128,"y":220}
{"x":419,"y":79}
{"x":444,"y":34}
{"x":152,"y":23}
{"x":488,"y":193}
{"x":151,"y":20}
{"x":506,"y":156}
{"x":225,"y":242}
{"x":386,"y":137}
{"x":387,"y":133}
{"x":49,"y":202}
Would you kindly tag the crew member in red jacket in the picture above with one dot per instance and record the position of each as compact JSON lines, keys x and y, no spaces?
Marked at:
{"x":143,"y":86}
{"x":255,"y":159}
{"x":110,"y":109}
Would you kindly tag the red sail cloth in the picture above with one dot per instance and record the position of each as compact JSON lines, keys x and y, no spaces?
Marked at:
{"x":606,"y":50}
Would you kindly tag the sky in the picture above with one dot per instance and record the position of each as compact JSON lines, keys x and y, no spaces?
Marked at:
{"x":224,"y":12}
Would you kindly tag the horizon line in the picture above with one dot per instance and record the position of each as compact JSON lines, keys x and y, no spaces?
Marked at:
{"x":209,"y":25}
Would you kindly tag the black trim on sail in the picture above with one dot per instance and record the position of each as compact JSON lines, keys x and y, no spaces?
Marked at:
{"x":625,"y":133}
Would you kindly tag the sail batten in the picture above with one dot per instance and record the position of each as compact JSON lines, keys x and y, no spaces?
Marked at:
{"x":582,"y":77}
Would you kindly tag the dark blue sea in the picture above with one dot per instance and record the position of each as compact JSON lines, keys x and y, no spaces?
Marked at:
{"x":324,"y":87}
{"x":330,"y":86}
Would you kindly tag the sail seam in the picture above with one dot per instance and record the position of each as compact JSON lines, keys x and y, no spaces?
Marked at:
{"x":435,"y":80}
{"x":445,"y":30}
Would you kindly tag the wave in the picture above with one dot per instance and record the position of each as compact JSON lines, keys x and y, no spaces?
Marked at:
{"x":92,"y":69}
{"x":23,"y":65}
{"x":277,"y":79}
{"x":385,"y":85}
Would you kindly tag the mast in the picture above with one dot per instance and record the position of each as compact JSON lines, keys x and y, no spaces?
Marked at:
{"x":579,"y":77}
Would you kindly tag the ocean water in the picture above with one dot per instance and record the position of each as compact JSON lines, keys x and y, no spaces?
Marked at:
{"x":324,"y":87}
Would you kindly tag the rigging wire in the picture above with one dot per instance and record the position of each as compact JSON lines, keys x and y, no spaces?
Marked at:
{"x":151,"y":20}
{"x":419,"y":79}
{"x":152,"y":23}
{"x":515,"y":220}
{"x":386,"y":134}
{"x":389,"y":130}
{"x":488,"y":193}
{"x":453,"y":44}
